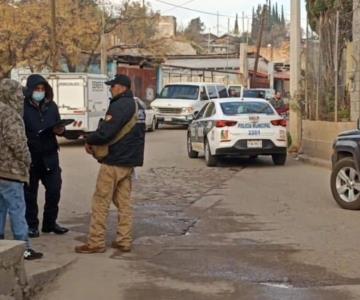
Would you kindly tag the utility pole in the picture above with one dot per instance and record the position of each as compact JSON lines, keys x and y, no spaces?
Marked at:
{"x":243,"y":23}
{"x":247,"y":31}
{"x":103,"y":63}
{"x":355,"y":90}
{"x":218,"y":24}
{"x":53,"y":36}
{"x":259,"y":41}
{"x":336,"y":64}
{"x":295,"y":53}
{"x":227,"y":50}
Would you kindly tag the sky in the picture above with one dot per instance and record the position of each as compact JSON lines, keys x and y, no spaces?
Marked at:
{"x":224,"y":7}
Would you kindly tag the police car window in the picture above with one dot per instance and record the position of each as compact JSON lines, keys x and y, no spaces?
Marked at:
{"x":212,"y":92}
{"x":243,"y":108}
{"x":210,"y":111}
{"x":223,"y":93}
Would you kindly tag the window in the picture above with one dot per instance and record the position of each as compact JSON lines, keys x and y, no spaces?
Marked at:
{"x":243,"y":108}
{"x":186,"y":92}
{"x":210,"y":111}
{"x":212,"y":92}
{"x":235,"y":91}
{"x":223,"y":93}
{"x":254,"y":94}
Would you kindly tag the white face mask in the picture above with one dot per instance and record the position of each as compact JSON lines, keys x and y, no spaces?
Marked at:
{"x":38,"y":96}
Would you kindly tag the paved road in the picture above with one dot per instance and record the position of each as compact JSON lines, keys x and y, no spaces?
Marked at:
{"x":244,"y":230}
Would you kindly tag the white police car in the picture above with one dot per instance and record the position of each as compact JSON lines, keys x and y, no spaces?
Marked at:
{"x":236,"y":127}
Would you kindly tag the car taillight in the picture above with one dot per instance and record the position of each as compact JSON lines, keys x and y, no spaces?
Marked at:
{"x":225,"y":123}
{"x":280,"y":122}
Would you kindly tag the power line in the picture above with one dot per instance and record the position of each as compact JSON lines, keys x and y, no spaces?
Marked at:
{"x":173,"y":8}
{"x":195,"y":10}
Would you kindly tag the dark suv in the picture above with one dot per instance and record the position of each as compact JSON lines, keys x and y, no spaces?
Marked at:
{"x":345,"y":176}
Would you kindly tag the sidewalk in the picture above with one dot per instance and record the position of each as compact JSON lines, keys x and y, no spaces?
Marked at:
{"x":314,"y":161}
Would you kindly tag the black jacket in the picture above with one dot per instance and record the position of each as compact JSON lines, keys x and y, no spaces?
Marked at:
{"x":43,"y":147}
{"x":129,"y":151}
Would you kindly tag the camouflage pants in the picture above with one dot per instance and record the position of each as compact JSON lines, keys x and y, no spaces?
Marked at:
{"x":113,"y":185}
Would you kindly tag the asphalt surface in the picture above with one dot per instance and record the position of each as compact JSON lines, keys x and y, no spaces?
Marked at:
{"x":243,"y":230}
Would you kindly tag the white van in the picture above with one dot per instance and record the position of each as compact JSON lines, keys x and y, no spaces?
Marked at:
{"x":178,"y":102}
{"x":79,"y":96}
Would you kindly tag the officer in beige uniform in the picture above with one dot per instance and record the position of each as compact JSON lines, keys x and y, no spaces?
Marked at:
{"x":114,"y":178}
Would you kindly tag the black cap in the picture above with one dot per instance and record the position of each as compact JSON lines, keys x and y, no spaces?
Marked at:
{"x":121,"y":80}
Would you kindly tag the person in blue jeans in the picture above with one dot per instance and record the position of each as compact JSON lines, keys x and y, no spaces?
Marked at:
{"x":14,"y":164}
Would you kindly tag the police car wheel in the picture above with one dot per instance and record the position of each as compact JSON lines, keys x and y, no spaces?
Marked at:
{"x":191,"y":152}
{"x":211,"y":160}
{"x":279,"y":159}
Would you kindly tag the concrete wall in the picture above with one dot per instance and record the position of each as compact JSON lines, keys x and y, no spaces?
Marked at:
{"x":318,"y":137}
{"x":13,"y":281}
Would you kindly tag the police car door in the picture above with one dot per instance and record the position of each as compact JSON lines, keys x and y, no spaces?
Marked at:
{"x":206,"y":123}
{"x":194,"y":130}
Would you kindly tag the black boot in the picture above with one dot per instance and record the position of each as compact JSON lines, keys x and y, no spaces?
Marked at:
{"x":57,"y":229}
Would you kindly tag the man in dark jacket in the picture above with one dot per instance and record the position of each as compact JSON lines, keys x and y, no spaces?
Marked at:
{"x":41,"y":112}
{"x":115,"y":175}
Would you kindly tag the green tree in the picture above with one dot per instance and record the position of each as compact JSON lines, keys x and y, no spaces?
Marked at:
{"x":236,"y":28}
{"x":194,"y":29}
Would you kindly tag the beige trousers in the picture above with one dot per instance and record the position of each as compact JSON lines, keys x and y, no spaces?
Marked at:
{"x":113,"y":185}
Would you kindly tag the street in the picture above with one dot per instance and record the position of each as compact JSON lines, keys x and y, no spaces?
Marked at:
{"x":244,"y":230}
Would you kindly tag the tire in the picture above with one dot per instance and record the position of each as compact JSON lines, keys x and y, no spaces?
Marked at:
{"x":279,"y":159}
{"x":157,"y":124}
{"x":345,"y":184}
{"x":153,"y":125}
{"x":211,"y":160}
{"x":190,"y":151}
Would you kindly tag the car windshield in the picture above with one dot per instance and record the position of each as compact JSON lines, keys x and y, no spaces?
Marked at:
{"x":243,"y":108}
{"x":254,"y":94}
{"x":187,"y":92}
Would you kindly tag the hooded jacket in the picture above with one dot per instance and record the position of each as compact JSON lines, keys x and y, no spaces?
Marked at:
{"x":43,"y":147}
{"x":129,"y":151}
{"x":14,"y":153}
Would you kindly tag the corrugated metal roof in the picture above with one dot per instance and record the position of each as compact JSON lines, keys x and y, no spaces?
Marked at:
{"x":216,"y":63}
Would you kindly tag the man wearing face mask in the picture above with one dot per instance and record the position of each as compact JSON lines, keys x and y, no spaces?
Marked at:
{"x":41,"y":112}
{"x":114,"y":179}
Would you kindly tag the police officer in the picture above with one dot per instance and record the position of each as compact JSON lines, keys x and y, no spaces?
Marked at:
{"x":114,"y":182}
{"x":41,"y":112}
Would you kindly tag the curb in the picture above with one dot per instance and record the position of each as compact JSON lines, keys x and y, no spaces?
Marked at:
{"x":38,"y":280}
{"x":314,"y":161}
